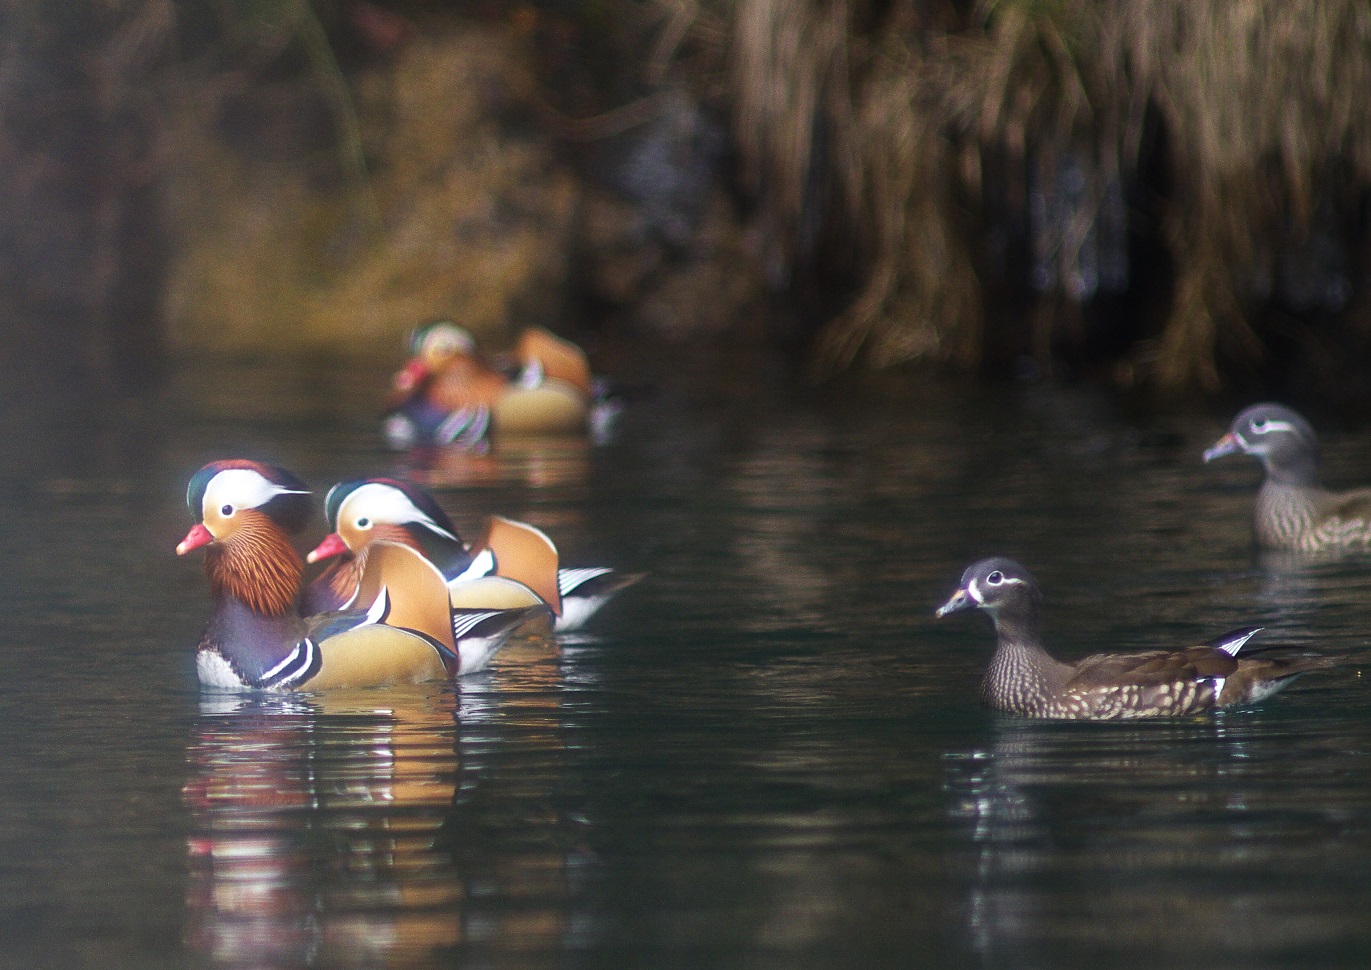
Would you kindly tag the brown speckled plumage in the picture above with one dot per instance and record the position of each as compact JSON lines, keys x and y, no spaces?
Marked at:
{"x":1023,"y":678}
{"x":1293,"y":511}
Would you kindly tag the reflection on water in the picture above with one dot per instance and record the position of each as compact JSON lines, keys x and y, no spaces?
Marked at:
{"x":767,"y":754}
{"x":1155,"y":844}
{"x":770,"y":748}
{"x":332,"y":828}
{"x":317,"y":827}
{"x":529,"y":461}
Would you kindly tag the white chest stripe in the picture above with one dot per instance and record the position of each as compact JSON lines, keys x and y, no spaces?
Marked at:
{"x":483,"y":564}
{"x":379,"y":609}
{"x":302,"y":657}
{"x":285,"y":661}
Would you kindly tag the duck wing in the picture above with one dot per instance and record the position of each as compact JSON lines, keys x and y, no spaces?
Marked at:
{"x":468,"y":384}
{"x":524,"y":553}
{"x":1345,"y":518}
{"x":401,"y":588}
{"x":594,"y":581}
{"x":555,"y":357}
{"x":1151,"y":668}
{"x":1152,"y":683}
{"x":1259,"y":677}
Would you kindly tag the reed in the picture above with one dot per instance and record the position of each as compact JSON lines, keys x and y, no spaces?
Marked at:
{"x":864,"y":129}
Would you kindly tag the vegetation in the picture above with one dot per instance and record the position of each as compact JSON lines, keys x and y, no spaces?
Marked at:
{"x":1169,"y":193}
{"x":1234,"y":131}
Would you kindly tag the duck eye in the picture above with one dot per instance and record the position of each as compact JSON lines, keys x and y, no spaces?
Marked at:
{"x":995,"y":578}
{"x":364,"y":523}
{"x":1260,"y":425}
{"x":227,"y":510}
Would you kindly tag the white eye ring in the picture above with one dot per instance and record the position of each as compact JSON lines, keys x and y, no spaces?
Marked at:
{"x":363,"y":523}
{"x":1261,"y":426}
{"x":226,"y":511}
{"x":995,"y":578}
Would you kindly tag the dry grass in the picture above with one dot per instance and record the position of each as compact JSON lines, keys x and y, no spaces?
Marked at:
{"x":894,"y":131}
{"x":473,"y":220}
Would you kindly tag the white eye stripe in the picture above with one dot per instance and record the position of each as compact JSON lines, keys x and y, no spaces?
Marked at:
{"x":243,"y":488}
{"x":1268,"y":425}
{"x":975,"y":592}
{"x":387,"y":504}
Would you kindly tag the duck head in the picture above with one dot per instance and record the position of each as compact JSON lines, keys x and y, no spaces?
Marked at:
{"x":244,"y":511}
{"x":365,"y":510}
{"x":433,"y":348}
{"x":1003,"y":589}
{"x":1278,"y":437}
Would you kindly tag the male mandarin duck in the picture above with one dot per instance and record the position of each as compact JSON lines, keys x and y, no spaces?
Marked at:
{"x":474,"y":583}
{"x":1294,"y":512}
{"x":364,"y":510}
{"x":403,"y":631}
{"x":447,"y":394}
{"x":1024,"y":679}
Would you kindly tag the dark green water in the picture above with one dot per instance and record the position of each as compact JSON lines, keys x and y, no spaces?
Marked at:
{"x":766,"y":755}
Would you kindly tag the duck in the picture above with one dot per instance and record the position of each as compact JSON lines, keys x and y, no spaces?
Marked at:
{"x":1294,"y":512}
{"x":401,"y":628}
{"x":360,"y":511}
{"x":1024,"y":679}
{"x":447,"y":394}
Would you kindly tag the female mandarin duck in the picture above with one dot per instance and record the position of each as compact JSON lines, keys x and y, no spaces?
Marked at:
{"x":1025,"y":679}
{"x":403,"y":632}
{"x":447,"y":394}
{"x":1294,"y":512}
{"x":364,"y":510}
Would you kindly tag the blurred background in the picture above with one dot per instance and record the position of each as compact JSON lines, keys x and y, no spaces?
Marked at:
{"x":890,"y":285}
{"x":1159,"y":195}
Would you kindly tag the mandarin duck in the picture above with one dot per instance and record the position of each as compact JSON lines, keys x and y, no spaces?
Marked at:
{"x":403,"y":629}
{"x":448,"y":395}
{"x":363,"y":510}
{"x":1294,"y":512}
{"x":1024,"y":679}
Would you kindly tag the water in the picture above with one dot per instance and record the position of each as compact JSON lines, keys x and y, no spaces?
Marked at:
{"x":768,"y":754}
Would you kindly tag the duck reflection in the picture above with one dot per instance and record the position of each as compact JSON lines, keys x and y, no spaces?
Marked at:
{"x":535,"y":462}
{"x":317,"y":828}
{"x":1080,"y":835}
{"x":380,"y":827}
{"x":1312,"y":599}
{"x":517,"y":845}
